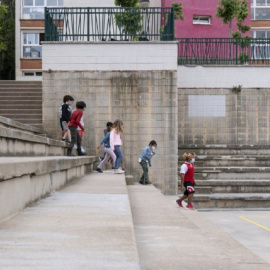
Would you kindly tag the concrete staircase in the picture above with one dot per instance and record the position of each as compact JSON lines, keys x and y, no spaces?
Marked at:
{"x":99,"y":223}
{"x":22,"y":101}
{"x":231,"y":176}
{"x":33,"y":165}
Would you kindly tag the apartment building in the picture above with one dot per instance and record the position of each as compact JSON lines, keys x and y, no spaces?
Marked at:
{"x":200,"y":20}
{"x":30,"y":31}
{"x":260,"y":18}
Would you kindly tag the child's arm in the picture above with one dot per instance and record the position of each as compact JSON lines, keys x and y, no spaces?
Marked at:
{"x":107,"y":136}
{"x":182,"y":175}
{"x":65,"y":114}
{"x":78,"y":121}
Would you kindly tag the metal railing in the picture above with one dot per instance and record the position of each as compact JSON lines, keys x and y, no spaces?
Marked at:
{"x":223,"y":51}
{"x":109,"y":24}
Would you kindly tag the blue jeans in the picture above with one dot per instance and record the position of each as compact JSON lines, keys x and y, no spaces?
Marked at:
{"x":119,"y":156}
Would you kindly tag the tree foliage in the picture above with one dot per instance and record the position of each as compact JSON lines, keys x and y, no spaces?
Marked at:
{"x":7,"y":40}
{"x":178,"y":11}
{"x":228,"y":10}
{"x":129,"y":21}
{"x":126,"y":3}
{"x":3,"y":12}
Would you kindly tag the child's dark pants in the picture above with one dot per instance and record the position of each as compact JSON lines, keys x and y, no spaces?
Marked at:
{"x":75,"y":138}
{"x":144,"y":178}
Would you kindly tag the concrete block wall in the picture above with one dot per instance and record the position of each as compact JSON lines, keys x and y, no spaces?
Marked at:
{"x":132,"y":81}
{"x":146,"y":101}
{"x":211,"y":113}
{"x":242,"y":118}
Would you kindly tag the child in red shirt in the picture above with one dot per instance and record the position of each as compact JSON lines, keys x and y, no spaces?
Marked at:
{"x":187,"y":180}
{"x":73,"y":124}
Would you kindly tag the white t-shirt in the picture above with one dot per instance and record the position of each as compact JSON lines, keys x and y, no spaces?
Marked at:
{"x":184,"y":169}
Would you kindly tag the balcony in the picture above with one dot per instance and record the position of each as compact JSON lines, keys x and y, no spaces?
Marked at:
{"x":223,"y":51}
{"x":109,"y":24}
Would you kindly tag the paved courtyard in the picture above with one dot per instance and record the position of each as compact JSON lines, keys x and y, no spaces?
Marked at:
{"x":250,"y":228}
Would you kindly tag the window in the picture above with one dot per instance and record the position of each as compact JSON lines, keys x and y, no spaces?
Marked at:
{"x":32,"y":74}
{"x":201,"y":19}
{"x":31,"y":45}
{"x":260,"y":10}
{"x":260,"y":50}
{"x":34,"y":9}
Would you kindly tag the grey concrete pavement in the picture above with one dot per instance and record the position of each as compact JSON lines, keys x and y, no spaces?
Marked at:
{"x":87,"y":225}
{"x":172,"y":238}
{"x":250,"y":228}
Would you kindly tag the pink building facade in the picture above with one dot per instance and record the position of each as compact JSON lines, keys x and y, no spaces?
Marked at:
{"x":200,"y":20}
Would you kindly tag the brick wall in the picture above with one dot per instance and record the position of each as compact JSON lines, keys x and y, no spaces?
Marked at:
{"x":146,"y":101}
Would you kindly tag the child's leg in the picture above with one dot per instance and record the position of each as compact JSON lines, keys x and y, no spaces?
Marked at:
{"x":68,"y":135}
{"x":103,"y":161}
{"x":190,"y":198}
{"x":73,"y":132}
{"x":112,"y":156}
{"x":64,"y":134}
{"x":119,"y":157}
{"x":183,"y":197}
{"x":144,"y":177}
{"x":79,"y":143}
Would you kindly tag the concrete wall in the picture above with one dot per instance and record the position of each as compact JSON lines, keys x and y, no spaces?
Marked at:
{"x":210,"y":112}
{"x":82,"y":56}
{"x":223,"y":76}
{"x":136,"y":84}
{"x":23,"y":182}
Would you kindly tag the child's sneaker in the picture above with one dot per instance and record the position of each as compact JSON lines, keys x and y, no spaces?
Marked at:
{"x":119,"y":171}
{"x":190,"y":207}
{"x":99,"y":170}
{"x":179,"y":202}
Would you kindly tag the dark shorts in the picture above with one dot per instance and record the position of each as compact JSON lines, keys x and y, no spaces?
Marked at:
{"x":189,"y":188}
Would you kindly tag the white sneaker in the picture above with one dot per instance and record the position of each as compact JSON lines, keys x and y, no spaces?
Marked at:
{"x":119,"y":171}
{"x":75,"y":146}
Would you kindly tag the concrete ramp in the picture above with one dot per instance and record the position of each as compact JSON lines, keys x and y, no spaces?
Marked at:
{"x":87,"y":225}
{"x":172,"y":238}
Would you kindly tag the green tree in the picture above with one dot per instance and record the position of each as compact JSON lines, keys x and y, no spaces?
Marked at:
{"x":228,"y":10}
{"x":126,"y":3}
{"x":129,"y":21}
{"x":7,"y":38}
{"x":178,"y":11}
{"x":3,"y":12}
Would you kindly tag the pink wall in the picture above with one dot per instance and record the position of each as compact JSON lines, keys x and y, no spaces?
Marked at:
{"x":186,"y":28}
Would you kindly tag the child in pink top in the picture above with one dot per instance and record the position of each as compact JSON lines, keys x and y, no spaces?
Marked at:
{"x":115,"y":143}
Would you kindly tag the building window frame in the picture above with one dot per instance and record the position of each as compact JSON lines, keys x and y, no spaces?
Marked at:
{"x":260,"y":10}
{"x":202,"y":19}
{"x":36,"y":11}
{"x":30,"y":49}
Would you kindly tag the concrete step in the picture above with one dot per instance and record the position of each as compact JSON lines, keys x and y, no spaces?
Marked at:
{"x":25,"y":88}
{"x":11,"y":124}
{"x":233,"y":186}
{"x":220,"y":150}
{"x":232,"y":200}
{"x":86,"y":225}
{"x":21,"y":94}
{"x":30,"y":105}
{"x":6,"y":82}
{"x":228,"y":173}
{"x":21,"y":98}
{"x":22,"y":117}
{"x":162,"y":230}
{"x":232,"y":161}
{"x":9,"y":103}
{"x":20,"y":111}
